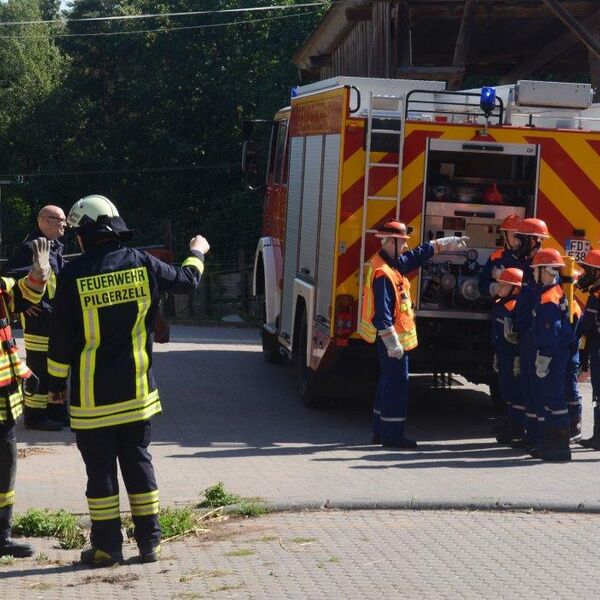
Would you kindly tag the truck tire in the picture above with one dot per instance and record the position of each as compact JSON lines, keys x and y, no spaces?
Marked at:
{"x":307,"y":378}
{"x":271,"y":349}
{"x":495,"y":395}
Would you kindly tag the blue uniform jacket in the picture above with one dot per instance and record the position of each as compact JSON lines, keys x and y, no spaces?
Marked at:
{"x":503,"y":307}
{"x":589,"y":324}
{"x":383,"y":289}
{"x":499,"y":259}
{"x":551,"y":328}
{"x":525,"y":301}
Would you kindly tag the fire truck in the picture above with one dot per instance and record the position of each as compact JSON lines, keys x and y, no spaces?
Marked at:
{"x":350,"y":153}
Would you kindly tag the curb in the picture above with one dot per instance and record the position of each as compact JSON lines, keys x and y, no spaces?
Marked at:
{"x":468,"y":504}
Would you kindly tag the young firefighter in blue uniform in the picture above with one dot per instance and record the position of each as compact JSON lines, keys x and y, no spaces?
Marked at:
{"x":15,"y":296}
{"x":501,"y":258}
{"x":101,"y":332}
{"x":506,"y":358}
{"x":51,"y":223}
{"x":590,"y":327}
{"x":553,"y":337}
{"x":530,"y":234}
{"x":387,"y":315}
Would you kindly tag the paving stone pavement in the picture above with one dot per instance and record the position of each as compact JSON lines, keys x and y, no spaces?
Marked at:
{"x":363,"y":555}
{"x":229,"y":416}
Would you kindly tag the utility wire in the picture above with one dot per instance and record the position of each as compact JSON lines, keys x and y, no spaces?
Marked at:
{"x":161,"y":29}
{"x":158,"y":15}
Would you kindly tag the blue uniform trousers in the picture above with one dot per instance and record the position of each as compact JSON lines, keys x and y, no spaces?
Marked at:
{"x":510,"y":389}
{"x":391,"y":400}
{"x":552,"y":404}
{"x":594,"y":352}
{"x":572,"y":393}
{"x":528,"y":380}
{"x":101,"y":450}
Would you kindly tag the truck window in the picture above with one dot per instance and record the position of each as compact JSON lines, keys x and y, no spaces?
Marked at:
{"x":280,"y":166}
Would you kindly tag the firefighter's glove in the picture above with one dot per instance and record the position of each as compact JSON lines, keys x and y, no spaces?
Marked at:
{"x":510,"y":335}
{"x":516,"y":366}
{"x":199,"y":244}
{"x":542,"y":365}
{"x":450,"y":244}
{"x":40,"y":270}
{"x":495,"y":363}
{"x":392,"y":342}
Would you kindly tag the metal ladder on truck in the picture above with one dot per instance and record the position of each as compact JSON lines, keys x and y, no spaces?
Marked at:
{"x":387,"y":107}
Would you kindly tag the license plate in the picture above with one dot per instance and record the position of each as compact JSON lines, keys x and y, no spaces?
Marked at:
{"x":577,"y":248}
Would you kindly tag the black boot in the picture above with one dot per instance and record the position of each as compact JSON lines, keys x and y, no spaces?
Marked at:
{"x":556,"y":446}
{"x":94,"y":557}
{"x":575,"y":429}
{"x":509,"y":435}
{"x":149,"y":555}
{"x":37,"y":419}
{"x":9,"y":547}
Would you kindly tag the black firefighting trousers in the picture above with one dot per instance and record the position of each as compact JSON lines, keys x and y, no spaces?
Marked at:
{"x":36,"y":404}
{"x":100,"y":450}
{"x":8,"y":470}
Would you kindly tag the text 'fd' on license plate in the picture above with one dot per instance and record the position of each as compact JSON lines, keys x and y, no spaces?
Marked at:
{"x":577,"y":248}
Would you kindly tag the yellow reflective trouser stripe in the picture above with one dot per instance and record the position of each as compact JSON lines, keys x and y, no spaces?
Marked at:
{"x":36,"y":400}
{"x":57,"y":369}
{"x":144,"y":504}
{"x":91,"y":329}
{"x":36,"y":338}
{"x":116,"y":419}
{"x":7,"y":498}
{"x":37,"y":343}
{"x":104,"y":509}
{"x":194,"y":261}
{"x":28,"y":293}
{"x":35,"y":347}
{"x":140,"y":356}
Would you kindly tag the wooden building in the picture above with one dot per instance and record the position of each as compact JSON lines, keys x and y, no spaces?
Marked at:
{"x":499,"y":40}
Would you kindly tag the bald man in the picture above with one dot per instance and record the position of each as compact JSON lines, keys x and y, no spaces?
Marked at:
{"x":51,"y":224}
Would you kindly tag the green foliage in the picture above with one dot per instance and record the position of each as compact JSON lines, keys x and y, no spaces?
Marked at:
{"x":60,"y":524}
{"x":216,"y":495}
{"x":250,"y":509}
{"x":173,"y":522}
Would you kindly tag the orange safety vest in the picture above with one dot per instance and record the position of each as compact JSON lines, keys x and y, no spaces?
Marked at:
{"x":404,"y":317}
{"x":11,"y":366}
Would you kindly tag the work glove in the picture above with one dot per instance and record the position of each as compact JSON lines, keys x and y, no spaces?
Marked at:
{"x":390,"y":338}
{"x":199,"y":244}
{"x":494,"y":288}
{"x":497,"y":271}
{"x":40,"y":269}
{"x":516,"y":366}
{"x":542,"y":365}
{"x":450,"y":244}
{"x":510,"y":335}
{"x":495,"y":363}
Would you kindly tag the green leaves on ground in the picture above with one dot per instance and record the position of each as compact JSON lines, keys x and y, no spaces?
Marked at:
{"x":216,"y":495}
{"x":59,"y":524}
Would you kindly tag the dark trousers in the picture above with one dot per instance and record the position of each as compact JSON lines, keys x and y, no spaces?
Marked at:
{"x":8,"y":471}
{"x":391,"y":401}
{"x":36,"y":404}
{"x":100,"y":450}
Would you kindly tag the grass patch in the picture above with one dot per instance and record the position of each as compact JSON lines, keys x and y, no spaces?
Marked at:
{"x":173,"y":522}
{"x":216,"y":495}
{"x":333,"y":559}
{"x":201,"y":573}
{"x":267,"y":538}
{"x":304,"y":540}
{"x":227,"y":588}
{"x":241,"y":552}
{"x":59,"y":524}
{"x":7,"y":560}
{"x":249,"y":509}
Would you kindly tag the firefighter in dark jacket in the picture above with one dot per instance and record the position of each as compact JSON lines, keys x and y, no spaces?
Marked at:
{"x":387,"y":316}
{"x":51,"y":223}
{"x":15,"y":296}
{"x":101,"y":334}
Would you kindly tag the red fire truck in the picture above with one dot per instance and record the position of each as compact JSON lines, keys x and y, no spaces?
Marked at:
{"x":350,"y":153}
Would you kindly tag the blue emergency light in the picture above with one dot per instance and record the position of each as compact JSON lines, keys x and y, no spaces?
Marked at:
{"x":487,"y":101}
{"x":294,"y":91}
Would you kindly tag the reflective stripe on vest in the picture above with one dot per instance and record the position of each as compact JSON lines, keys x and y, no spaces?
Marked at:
{"x":404,"y":319}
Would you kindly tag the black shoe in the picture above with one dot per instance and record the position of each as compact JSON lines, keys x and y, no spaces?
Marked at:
{"x":9,"y":547}
{"x":149,"y":555}
{"x":94,"y":557}
{"x":403,"y":444}
{"x":575,"y":430}
{"x":592,"y":443}
{"x":520,"y":443}
{"x":376,"y":439}
{"x":556,"y":446}
{"x":43,"y":425}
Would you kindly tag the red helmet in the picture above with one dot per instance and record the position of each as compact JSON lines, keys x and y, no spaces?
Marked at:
{"x":534,"y":228}
{"x":511,"y":223}
{"x":393,"y":229}
{"x":592,"y":259}
{"x":548,"y":257}
{"x":512,"y":276}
